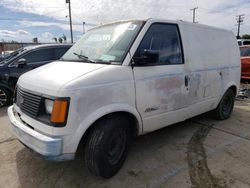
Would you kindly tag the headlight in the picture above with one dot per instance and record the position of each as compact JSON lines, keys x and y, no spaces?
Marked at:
{"x":48,"y":106}
{"x":55,"y":111}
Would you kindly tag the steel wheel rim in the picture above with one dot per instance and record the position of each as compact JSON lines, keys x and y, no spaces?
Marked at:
{"x":3,"y":98}
{"x":117,"y":146}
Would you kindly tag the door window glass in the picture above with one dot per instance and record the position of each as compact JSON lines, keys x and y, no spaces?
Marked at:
{"x":39,"y":55}
{"x":244,"y":51}
{"x":59,"y":52}
{"x":160,"y":45}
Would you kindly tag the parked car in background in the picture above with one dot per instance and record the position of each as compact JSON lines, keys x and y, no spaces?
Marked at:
{"x":23,"y":60}
{"x":245,"y":62}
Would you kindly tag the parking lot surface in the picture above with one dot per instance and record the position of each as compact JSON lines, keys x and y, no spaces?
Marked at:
{"x":200,"y":152}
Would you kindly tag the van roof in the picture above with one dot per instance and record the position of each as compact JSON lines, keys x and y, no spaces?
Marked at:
{"x":171,"y":21}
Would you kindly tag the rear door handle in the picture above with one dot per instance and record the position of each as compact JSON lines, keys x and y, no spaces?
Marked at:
{"x":186,"y":80}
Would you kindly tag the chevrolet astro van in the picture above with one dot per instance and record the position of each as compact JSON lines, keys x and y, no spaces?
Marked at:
{"x":121,"y":80}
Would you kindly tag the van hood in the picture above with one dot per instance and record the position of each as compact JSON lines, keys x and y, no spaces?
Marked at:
{"x":51,"y":77}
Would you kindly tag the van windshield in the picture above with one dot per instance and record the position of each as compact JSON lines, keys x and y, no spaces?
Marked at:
{"x":244,"y":51}
{"x":104,"y":44}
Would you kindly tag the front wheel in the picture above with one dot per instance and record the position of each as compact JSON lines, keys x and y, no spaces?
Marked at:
{"x":225,"y":107}
{"x":107,"y":146}
{"x":5,"y":97}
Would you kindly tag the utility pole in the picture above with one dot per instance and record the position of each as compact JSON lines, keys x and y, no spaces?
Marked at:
{"x":70,"y":20}
{"x":194,"y":11}
{"x":239,"y":19}
{"x":83,"y":27}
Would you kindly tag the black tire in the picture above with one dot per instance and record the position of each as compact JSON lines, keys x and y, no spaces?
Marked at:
{"x":226,"y":105}
{"x":107,"y":146}
{"x":5,"y":96}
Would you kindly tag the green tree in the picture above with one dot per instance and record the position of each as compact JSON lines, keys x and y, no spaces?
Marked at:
{"x":64,"y":38}
{"x":60,"y":40}
{"x":13,"y":41}
{"x":246,"y":36}
{"x":35,"y":40}
{"x":55,"y":39}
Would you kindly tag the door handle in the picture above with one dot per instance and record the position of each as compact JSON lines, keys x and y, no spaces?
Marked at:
{"x":186,"y":80}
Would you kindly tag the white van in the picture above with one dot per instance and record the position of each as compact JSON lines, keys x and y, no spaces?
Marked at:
{"x":121,"y":80}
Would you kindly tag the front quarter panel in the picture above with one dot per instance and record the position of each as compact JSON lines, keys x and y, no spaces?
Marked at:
{"x":91,"y":97}
{"x":88,"y":121}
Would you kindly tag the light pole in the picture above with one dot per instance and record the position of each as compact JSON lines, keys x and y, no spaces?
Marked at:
{"x":194,"y":11}
{"x":83,"y":27}
{"x":70,"y":20}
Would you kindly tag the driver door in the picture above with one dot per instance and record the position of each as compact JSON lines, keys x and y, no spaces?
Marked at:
{"x":160,"y":78}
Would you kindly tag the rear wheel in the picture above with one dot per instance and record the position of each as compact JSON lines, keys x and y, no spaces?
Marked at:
{"x":107,"y":146}
{"x":5,"y":97}
{"x":225,"y":107}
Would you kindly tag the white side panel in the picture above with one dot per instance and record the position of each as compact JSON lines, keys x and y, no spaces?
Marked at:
{"x":211,"y":56}
{"x":163,"y":120}
{"x":160,"y":94}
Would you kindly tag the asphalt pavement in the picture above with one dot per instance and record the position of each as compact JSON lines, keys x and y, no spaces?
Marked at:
{"x":199,"y":153}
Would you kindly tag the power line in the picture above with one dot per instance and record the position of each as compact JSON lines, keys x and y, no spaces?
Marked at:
{"x":32,"y":8}
{"x":86,"y":23}
{"x":34,"y":20}
{"x":50,"y":22}
{"x":194,"y":11}
{"x":16,"y":4}
{"x":239,"y":19}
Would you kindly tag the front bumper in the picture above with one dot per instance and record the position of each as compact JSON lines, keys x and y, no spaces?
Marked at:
{"x":49,"y":147}
{"x":245,"y":77}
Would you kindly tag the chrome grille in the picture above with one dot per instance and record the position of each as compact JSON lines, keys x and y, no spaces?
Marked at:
{"x":28,"y":103}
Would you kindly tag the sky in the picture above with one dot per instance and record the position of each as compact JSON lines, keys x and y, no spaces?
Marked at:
{"x":22,"y":20}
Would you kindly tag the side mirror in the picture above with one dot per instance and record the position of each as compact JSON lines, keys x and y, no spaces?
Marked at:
{"x":149,"y":56}
{"x":21,"y":63}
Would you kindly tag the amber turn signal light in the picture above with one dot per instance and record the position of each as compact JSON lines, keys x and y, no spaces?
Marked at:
{"x":59,"y":112}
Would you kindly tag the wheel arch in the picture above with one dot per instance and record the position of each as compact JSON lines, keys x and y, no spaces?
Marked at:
{"x":84,"y":129}
{"x":9,"y":94}
{"x":6,"y":87}
{"x":233,"y":86}
{"x":219,"y":112}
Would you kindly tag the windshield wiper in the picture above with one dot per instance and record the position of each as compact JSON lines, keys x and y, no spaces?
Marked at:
{"x":84,"y":58}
